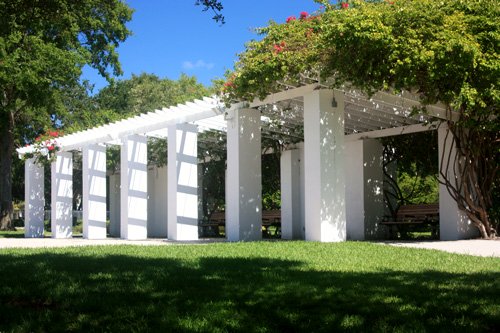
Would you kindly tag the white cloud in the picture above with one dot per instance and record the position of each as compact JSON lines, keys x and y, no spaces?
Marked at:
{"x":188,"y":65}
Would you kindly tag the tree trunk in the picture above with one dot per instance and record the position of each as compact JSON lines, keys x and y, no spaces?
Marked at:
{"x":6,"y":152}
{"x":475,"y":169}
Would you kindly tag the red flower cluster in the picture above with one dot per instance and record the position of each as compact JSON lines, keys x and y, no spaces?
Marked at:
{"x":279,"y":47}
{"x":303,"y":15}
{"x":290,"y":19}
{"x":48,"y":135}
{"x":345,"y":5}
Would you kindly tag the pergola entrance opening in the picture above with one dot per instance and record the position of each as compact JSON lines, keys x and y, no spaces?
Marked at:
{"x":331,"y":168}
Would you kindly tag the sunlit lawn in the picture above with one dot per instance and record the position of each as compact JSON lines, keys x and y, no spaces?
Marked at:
{"x":248,"y":287}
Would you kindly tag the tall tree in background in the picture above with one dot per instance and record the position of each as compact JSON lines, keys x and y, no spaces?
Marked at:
{"x":43,"y":47}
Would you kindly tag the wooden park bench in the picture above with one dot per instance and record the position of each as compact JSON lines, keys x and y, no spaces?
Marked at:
{"x":414,"y":215}
{"x":271,"y":218}
{"x":213,"y":226}
{"x":217,"y":222}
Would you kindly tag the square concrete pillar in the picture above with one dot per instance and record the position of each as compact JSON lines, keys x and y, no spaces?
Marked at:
{"x":94,"y":191}
{"x":292,"y":224}
{"x":453,"y":223}
{"x":114,"y":205}
{"x":134,"y":188}
{"x":61,"y":214}
{"x":157,"y":202}
{"x":183,"y":182}
{"x":364,"y":189}
{"x":324,"y":166}
{"x":34,"y":206}
{"x":244,"y":179}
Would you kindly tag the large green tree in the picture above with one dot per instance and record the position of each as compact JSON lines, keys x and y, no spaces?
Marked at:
{"x":43,"y":47}
{"x":447,"y":51}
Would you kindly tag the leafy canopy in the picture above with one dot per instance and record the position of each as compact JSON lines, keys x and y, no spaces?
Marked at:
{"x":445,"y":50}
{"x":44,"y":46}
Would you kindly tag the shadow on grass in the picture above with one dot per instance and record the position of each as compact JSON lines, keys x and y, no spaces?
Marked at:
{"x":12,"y":234}
{"x":49,"y":292}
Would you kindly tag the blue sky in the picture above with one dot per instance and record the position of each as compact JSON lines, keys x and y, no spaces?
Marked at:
{"x":171,"y":37}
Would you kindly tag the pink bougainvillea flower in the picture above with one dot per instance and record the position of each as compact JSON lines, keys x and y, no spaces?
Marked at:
{"x":345,"y":5}
{"x":303,"y":15}
{"x":290,"y":19}
{"x":279,"y":47}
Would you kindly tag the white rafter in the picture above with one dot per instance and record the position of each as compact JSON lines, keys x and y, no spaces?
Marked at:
{"x":281,"y":114}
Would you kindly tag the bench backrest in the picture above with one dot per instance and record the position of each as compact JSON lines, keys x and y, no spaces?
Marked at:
{"x":218,"y":216}
{"x":266,"y":215}
{"x":418,"y":210}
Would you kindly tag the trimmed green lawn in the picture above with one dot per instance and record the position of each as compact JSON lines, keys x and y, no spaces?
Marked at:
{"x":248,"y":287}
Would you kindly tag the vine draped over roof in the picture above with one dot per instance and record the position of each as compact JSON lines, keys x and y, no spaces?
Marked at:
{"x":445,"y":50}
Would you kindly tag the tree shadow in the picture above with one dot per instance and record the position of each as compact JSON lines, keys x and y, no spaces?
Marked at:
{"x":61,"y":292}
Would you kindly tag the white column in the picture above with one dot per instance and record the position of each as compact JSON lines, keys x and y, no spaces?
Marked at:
{"x":157,"y":202}
{"x":61,"y":215}
{"x":34,"y":199}
{"x":94,"y":191}
{"x":114,"y":205}
{"x":134,"y":188}
{"x":200,"y":191}
{"x":244,"y":184}
{"x":291,"y":209}
{"x":324,"y":166}
{"x":364,"y":189}
{"x":453,"y":223}
{"x":183,"y":182}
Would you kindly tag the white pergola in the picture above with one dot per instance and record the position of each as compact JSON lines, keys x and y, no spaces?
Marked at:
{"x":331,"y":171}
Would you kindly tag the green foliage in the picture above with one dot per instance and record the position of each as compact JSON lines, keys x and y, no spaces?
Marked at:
{"x":413,"y":178}
{"x":417,"y":189}
{"x":248,"y":287}
{"x":271,"y":184}
{"x":147,"y":92}
{"x":45,"y":45}
{"x":448,"y":51}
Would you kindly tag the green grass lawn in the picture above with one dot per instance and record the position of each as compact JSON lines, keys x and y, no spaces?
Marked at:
{"x":248,"y":287}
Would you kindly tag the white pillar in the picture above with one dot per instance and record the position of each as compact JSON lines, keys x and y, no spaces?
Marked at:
{"x":364,"y":189}
{"x":244,"y":184}
{"x":114,"y":205}
{"x":324,"y":166}
{"x":61,"y":215}
{"x":183,"y":182}
{"x":200,"y":191}
{"x":94,"y":191}
{"x":134,"y":188}
{"x":453,"y":223}
{"x":34,"y":199}
{"x":157,"y":202}
{"x":292,"y":224}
